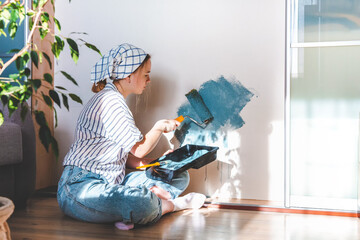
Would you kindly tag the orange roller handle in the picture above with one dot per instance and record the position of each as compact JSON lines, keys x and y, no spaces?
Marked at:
{"x":180,"y":118}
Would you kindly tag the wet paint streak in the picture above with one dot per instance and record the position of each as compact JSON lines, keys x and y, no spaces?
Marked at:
{"x":225,"y":99}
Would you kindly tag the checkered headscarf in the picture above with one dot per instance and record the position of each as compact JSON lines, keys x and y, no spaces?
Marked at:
{"x":118,"y":63}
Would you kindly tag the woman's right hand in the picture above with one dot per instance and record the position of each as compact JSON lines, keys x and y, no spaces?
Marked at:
{"x":167,"y":125}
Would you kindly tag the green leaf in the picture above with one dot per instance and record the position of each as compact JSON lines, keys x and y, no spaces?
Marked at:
{"x":13,"y":104}
{"x":14,"y":76}
{"x":69,"y":77}
{"x":47,"y":59}
{"x":14,"y":14}
{"x":26,"y":57}
{"x":4,"y":99}
{"x":57,"y":46}
{"x":47,"y":100}
{"x":82,"y":33}
{"x":54,"y":96}
{"x":2,"y":24}
{"x":62,"y":88}
{"x":19,"y":62}
{"x":21,"y":14}
{"x":14,"y":50}
{"x":27,"y":72}
{"x":12,"y":29}
{"x":92,"y":47}
{"x":5,"y":15}
{"x":60,"y":41}
{"x":24,"y":111}
{"x":55,"y":49}
{"x":36,"y":83}
{"x":75,"y":98}
{"x":22,"y":61}
{"x":44,"y":30}
{"x":2,"y":33}
{"x":40,"y":57}
{"x":31,"y":23}
{"x":45,"y":136}
{"x":74,"y":50}
{"x":1,"y":118}
{"x":57,"y":23}
{"x":30,"y":13}
{"x":65,"y":101}
{"x":48,"y":78}
{"x":35,"y":58}
{"x":42,"y":2}
{"x":2,"y":27}
{"x":40,"y":118}
{"x":28,"y":92}
{"x":35,"y":3}
{"x":45,"y":17}
{"x":56,"y":118}
{"x":55,"y":148}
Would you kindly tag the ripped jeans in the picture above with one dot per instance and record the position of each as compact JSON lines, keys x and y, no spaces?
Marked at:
{"x":87,"y":196}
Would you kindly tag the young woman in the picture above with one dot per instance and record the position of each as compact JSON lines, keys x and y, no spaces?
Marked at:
{"x":93,"y":186}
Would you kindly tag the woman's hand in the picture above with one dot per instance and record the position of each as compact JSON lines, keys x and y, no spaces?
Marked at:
{"x":167,"y":125}
{"x":149,"y":141}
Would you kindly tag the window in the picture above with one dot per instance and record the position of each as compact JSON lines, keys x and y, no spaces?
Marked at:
{"x":323,"y":103}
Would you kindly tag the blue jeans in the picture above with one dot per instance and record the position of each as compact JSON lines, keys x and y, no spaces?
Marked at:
{"x":89,"y":197}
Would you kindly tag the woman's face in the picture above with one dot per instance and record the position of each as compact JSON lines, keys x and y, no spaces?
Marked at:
{"x":140,"y":78}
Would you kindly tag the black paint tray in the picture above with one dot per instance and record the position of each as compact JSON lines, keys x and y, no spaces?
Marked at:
{"x":184,"y":158}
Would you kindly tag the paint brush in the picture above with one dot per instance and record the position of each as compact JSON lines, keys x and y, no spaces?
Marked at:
{"x":153,"y":164}
{"x":200,"y":108}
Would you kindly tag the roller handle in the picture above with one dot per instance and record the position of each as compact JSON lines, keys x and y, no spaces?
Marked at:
{"x":153,"y":164}
{"x":148,"y":165}
{"x":180,"y":118}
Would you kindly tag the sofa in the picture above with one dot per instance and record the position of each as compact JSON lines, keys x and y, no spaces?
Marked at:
{"x":17,"y":157}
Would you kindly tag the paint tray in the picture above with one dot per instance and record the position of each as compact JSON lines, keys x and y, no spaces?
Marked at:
{"x":184,"y":158}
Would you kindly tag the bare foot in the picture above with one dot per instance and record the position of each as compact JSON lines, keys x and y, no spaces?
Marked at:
{"x":160,"y":192}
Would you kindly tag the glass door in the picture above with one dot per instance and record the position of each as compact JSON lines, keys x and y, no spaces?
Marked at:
{"x":323,"y":104}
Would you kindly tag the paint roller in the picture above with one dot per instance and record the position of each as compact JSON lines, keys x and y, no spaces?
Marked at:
{"x":200,"y":108}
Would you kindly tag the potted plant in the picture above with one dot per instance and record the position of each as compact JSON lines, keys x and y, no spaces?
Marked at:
{"x":16,"y":88}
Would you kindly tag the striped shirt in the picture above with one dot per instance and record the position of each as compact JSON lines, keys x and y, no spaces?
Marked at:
{"x":104,"y":135}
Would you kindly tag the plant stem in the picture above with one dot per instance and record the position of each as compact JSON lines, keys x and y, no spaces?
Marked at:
{"x":5,"y":4}
{"x":28,"y":43}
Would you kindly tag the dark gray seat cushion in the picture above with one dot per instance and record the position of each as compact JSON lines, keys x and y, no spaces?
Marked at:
{"x":10,"y":144}
{"x":17,"y":181}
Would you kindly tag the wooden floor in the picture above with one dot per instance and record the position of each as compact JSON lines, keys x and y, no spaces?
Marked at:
{"x":43,"y":220}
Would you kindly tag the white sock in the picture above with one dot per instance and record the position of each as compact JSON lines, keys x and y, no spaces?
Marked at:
{"x":190,"y":200}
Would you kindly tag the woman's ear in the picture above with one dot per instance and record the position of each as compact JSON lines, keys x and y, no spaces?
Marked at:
{"x":128,"y":79}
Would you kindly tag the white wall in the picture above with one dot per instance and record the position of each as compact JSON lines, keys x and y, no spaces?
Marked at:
{"x":191,"y":42}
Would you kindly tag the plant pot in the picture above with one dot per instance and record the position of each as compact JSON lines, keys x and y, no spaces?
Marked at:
{"x":6,"y":209}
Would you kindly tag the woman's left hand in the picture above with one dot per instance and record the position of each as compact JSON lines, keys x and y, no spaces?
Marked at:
{"x":167,"y":125}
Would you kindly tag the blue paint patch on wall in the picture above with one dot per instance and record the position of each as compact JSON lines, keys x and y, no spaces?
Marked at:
{"x":225,"y":100}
